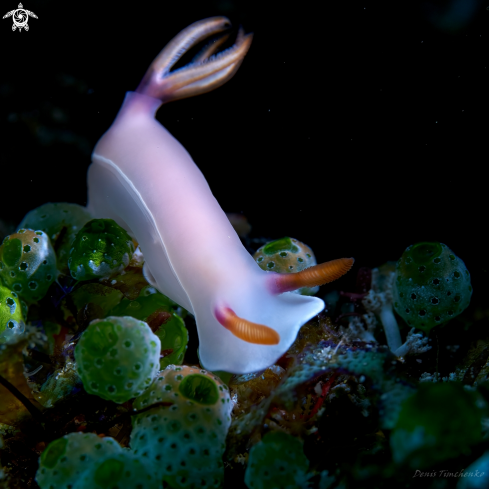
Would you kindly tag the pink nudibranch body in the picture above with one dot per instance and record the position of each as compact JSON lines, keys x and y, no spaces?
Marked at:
{"x":144,"y":179}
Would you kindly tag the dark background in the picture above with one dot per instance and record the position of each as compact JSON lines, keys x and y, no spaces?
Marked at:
{"x":357,"y":127}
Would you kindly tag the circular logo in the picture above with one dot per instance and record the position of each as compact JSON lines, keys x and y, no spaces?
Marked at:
{"x":20,"y":19}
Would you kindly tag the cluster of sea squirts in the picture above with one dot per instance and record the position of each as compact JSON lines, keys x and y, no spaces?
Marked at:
{"x":339,"y":409}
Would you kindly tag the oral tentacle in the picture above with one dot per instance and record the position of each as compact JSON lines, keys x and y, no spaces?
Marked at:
{"x":310,"y":277}
{"x":246,"y":330}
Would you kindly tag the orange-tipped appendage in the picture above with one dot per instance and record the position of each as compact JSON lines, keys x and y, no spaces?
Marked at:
{"x":311,"y":277}
{"x":246,"y":330}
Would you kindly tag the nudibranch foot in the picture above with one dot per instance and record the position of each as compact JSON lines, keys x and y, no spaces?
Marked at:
{"x":310,"y":277}
{"x":246,"y":330}
{"x":207,"y":71}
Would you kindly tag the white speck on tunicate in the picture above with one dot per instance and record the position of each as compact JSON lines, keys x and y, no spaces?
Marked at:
{"x":103,"y":270}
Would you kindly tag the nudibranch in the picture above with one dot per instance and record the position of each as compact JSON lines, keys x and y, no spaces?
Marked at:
{"x":147,"y":182}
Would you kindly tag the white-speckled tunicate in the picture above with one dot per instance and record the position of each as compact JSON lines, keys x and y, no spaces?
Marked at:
{"x":100,"y":249}
{"x":28,"y":264}
{"x":186,"y":439}
{"x":117,"y":358}
{"x":64,"y":460}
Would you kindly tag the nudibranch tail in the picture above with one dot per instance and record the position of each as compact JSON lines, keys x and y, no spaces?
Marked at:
{"x":310,"y":277}
{"x":246,"y":330}
{"x":208,"y":70}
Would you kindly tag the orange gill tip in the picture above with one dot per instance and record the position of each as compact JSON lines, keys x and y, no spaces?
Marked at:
{"x":310,"y":277}
{"x":246,"y":330}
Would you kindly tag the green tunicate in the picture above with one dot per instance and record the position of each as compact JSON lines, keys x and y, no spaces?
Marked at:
{"x":431,"y":285}
{"x":12,"y":251}
{"x":64,"y":460}
{"x":147,"y":303}
{"x":277,"y":462}
{"x":173,"y":336}
{"x":199,"y":388}
{"x":283,"y":244}
{"x":172,"y":333}
{"x":118,"y":471}
{"x":394,"y":394}
{"x":54,"y":452}
{"x":117,"y":358}
{"x":185,"y":440}
{"x":224,"y":376}
{"x":102,"y":298}
{"x":28,"y":264}
{"x":438,"y":422}
{"x":101,"y":338}
{"x":61,"y":222}
{"x":11,"y":317}
{"x":108,"y":472}
{"x":286,"y":255}
{"x":100,"y":249}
